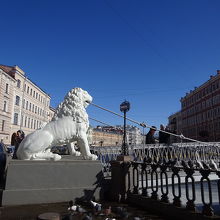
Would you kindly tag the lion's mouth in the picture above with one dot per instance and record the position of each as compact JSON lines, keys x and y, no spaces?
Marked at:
{"x":88,"y":101}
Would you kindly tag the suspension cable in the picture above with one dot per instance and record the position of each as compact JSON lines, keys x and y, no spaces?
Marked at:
{"x":181,"y":136}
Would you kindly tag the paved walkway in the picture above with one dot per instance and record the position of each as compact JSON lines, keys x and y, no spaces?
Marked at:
{"x":30,"y":212}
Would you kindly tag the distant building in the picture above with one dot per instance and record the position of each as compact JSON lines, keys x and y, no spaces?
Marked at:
{"x":134,"y":136}
{"x":200,"y":111}
{"x":103,"y":136}
{"x":113,"y":135}
{"x":24,"y":105}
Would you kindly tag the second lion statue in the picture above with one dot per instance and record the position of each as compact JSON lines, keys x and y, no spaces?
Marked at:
{"x":69,"y":124}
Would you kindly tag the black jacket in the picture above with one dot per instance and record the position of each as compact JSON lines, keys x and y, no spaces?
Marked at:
{"x":150,"y":139}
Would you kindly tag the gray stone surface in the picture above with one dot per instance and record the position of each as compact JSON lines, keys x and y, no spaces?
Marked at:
{"x":36,"y":182}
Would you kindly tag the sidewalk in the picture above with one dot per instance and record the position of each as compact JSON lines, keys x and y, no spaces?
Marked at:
{"x":31,"y":212}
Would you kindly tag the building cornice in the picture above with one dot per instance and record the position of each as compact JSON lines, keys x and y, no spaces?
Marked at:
{"x":198,"y":89}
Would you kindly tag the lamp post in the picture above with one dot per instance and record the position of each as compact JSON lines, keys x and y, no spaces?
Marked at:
{"x":124,"y":107}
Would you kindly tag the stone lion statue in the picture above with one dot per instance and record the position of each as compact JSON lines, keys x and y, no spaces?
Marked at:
{"x":69,"y":125}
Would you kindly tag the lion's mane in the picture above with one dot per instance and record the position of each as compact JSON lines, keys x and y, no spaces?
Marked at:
{"x":73,"y":105}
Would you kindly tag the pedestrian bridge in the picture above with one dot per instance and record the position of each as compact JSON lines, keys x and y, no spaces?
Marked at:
{"x":184,"y":174}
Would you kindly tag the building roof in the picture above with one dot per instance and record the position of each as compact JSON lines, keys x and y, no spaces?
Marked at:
{"x":10,"y":70}
{"x":196,"y":89}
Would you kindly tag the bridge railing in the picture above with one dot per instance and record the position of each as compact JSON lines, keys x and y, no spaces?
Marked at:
{"x":195,"y":189}
{"x":195,"y":155}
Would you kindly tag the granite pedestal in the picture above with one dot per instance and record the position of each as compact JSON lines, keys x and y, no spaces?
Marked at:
{"x":37,"y":182}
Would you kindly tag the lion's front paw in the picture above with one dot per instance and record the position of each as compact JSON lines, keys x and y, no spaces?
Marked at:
{"x":91,"y":157}
{"x":56,"y":157}
{"x":77,"y":153}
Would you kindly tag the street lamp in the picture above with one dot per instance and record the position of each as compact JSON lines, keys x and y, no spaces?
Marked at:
{"x":125,"y":107}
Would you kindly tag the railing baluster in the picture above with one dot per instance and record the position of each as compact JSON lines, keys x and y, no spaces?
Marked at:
{"x":218,"y":185}
{"x":135,"y":180}
{"x":164,"y":197}
{"x":144,"y":179}
{"x":207,"y":207}
{"x":190,"y":204}
{"x":154,"y":194}
{"x":176,"y":199}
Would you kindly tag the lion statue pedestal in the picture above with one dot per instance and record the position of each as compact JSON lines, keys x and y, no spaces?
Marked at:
{"x":38,"y":182}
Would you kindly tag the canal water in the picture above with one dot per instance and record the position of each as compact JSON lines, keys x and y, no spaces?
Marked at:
{"x":213,"y":197}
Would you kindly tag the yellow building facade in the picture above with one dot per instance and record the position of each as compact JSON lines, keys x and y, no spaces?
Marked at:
{"x":24,"y":105}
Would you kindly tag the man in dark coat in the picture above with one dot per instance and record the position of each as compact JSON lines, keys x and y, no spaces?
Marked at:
{"x":150,"y":139}
{"x":164,"y":138}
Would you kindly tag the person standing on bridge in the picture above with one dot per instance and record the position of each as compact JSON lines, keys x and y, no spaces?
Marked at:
{"x":150,"y":139}
{"x":164,"y":138}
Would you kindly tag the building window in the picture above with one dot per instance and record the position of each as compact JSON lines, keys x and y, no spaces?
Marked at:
{"x":19,"y":83}
{"x":28,"y":123}
{"x":30,"y":107}
{"x":17,"y":100}
{"x":22,"y":120}
{"x":26,"y":105}
{"x":6,"y":88}
{"x":5,"y":106}
{"x":34,"y":94}
{"x":25,"y":122}
{"x":15,"y":118}
{"x":3,"y":125}
{"x":31,"y":92}
{"x":23,"y":104}
{"x":28,"y":90}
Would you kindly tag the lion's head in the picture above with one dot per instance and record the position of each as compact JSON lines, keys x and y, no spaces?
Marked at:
{"x":74,"y":105}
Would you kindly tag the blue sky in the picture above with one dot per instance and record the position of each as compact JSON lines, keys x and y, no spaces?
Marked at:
{"x":148,"y":52}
